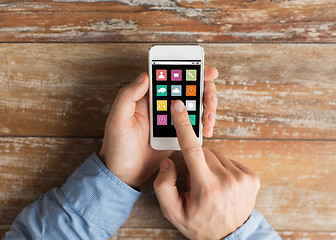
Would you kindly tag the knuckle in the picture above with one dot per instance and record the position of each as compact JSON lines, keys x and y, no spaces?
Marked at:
{"x":211,"y":190}
{"x":255,"y":180}
{"x":158,"y":185}
{"x":194,"y":150}
{"x":169,"y":214}
{"x":232,"y":183}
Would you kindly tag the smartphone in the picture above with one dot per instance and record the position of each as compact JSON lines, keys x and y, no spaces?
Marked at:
{"x":176,"y":73}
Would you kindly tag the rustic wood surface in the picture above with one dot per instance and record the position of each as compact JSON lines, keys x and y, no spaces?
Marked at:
{"x":275,"y":91}
{"x":277,"y":101}
{"x":297,"y":190}
{"x":168,"y":20}
{"x":165,"y":234}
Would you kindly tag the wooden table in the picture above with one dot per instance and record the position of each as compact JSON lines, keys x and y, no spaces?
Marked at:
{"x":62,"y":63}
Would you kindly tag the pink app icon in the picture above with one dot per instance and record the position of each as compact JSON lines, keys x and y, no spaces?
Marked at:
{"x":176,"y":75}
{"x":161,"y":119}
{"x":161,"y":75}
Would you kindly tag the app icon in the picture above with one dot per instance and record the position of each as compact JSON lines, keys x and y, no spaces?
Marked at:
{"x":191,"y":75}
{"x":176,"y":75}
{"x":161,"y":105}
{"x":176,"y":90}
{"x":171,"y":121}
{"x":190,"y":90}
{"x":161,"y":90}
{"x":161,"y":75}
{"x":161,"y":119}
{"x":192,"y":119}
{"x":191,"y":105}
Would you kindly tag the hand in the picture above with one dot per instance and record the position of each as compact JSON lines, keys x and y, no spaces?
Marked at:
{"x":126,"y":150}
{"x":222,"y":192}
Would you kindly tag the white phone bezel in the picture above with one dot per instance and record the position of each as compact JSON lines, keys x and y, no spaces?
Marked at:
{"x":174,"y":52}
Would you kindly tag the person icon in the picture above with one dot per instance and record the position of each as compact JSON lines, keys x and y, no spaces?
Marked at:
{"x":161,"y":75}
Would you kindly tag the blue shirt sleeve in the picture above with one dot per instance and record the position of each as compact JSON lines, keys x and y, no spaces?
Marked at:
{"x":92,"y":204}
{"x":256,"y":227}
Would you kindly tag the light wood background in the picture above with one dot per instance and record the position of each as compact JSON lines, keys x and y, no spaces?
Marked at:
{"x":62,"y":63}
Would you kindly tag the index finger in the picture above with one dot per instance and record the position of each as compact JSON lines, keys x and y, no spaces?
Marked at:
{"x":189,"y":143}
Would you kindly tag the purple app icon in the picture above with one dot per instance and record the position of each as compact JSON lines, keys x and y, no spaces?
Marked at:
{"x":161,"y":119}
{"x":176,"y":75}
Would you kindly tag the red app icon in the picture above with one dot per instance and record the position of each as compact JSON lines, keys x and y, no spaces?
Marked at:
{"x":161,"y":75}
{"x":191,"y":90}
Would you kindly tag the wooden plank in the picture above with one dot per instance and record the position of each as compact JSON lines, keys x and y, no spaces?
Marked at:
{"x":150,"y":234}
{"x":5,"y":228}
{"x":288,"y":235}
{"x":161,"y":233}
{"x":297,"y":183}
{"x":264,"y":91}
{"x":297,"y":178}
{"x":32,"y":166}
{"x":168,"y":21}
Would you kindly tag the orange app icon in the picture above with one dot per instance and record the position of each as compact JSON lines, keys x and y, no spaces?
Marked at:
{"x":191,"y":90}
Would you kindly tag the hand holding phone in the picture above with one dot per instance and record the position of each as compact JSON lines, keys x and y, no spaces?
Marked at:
{"x":126,"y":149}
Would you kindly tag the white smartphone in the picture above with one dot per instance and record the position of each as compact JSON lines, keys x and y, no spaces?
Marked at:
{"x":176,"y":73}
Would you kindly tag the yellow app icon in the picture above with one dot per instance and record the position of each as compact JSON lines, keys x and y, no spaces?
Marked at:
{"x":161,"y":105}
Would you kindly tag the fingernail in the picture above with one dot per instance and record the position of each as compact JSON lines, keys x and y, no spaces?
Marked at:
{"x":164,"y":166}
{"x":178,"y":106}
{"x":212,"y":118}
{"x":214,"y":99}
{"x":140,"y":78}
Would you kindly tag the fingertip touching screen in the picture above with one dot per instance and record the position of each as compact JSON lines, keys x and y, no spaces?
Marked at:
{"x":175,"y":80}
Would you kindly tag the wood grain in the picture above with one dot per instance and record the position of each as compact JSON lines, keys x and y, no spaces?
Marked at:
{"x":168,"y":21}
{"x":281,"y":91}
{"x":152,"y":234}
{"x":32,"y":166}
{"x":297,"y":177}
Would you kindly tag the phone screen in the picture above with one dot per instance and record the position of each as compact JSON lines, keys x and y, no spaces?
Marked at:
{"x":175,"y":80}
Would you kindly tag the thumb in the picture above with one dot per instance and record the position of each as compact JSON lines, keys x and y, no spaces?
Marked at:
{"x":124,"y":105}
{"x":166,"y":191}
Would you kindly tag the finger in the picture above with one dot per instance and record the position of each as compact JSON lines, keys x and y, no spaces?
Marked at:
{"x":124,"y":106}
{"x":166,"y":192}
{"x":209,"y":118}
{"x":227,"y":163}
{"x":207,"y":131}
{"x":242,"y":167}
{"x":210,"y":73}
{"x":210,"y":96}
{"x":213,"y":162}
{"x":189,"y":143}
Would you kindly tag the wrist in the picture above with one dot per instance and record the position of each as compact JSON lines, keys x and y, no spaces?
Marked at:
{"x":126,"y":179}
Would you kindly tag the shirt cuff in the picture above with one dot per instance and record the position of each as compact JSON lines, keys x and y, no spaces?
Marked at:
{"x":256,"y":227}
{"x":99,"y":196}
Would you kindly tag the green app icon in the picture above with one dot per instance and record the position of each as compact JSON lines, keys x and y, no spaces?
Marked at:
{"x":161,"y":90}
{"x":192,"y":119}
{"x":191,"y":75}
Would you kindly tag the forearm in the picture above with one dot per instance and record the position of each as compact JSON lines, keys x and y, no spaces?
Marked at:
{"x":92,"y":204}
{"x":256,"y":227}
